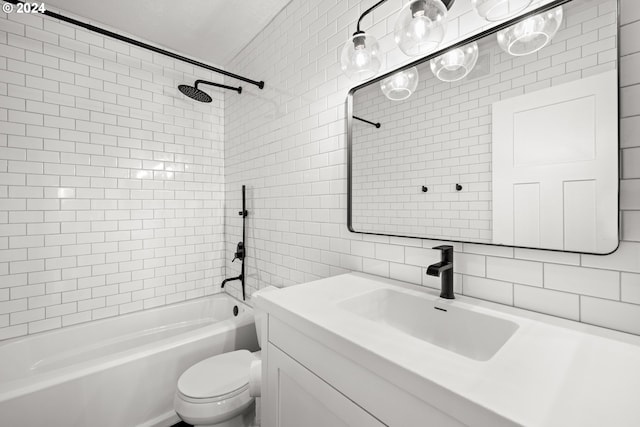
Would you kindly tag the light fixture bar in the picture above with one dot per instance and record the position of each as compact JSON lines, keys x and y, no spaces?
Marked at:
{"x":143,"y":45}
{"x":366,"y":12}
{"x":447,"y":4}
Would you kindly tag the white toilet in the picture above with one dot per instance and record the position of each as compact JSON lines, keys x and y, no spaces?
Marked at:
{"x":215,"y":392}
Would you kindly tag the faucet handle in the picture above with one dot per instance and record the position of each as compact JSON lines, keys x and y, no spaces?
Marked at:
{"x":446,"y":254}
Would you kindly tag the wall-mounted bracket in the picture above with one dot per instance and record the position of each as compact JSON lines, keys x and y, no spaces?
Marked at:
{"x":377,"y":125}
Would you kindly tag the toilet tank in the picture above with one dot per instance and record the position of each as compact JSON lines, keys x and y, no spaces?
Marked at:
{"x":260,"y":317}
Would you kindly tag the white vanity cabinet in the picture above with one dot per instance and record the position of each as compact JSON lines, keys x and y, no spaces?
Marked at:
{"x":308,"y":384}
{"x":353,"y":350}
{"x":301,"y":398}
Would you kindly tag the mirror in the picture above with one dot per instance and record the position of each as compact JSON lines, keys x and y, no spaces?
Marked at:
{"x":507,"y":138}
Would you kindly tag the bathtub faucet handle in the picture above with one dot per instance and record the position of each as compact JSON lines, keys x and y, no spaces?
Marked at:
{"x":239,"y":252}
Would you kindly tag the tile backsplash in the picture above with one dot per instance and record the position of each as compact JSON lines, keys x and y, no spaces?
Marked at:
{"x":111,"y":181}
{"x":287,"y":143}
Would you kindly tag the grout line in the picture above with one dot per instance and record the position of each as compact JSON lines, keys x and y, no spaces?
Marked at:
{"x":580,"y":308}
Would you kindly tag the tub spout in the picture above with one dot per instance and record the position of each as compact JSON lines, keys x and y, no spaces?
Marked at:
{"x":231,"y":279}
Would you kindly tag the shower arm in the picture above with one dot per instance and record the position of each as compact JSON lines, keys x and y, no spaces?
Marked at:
{"x":205,"y":82}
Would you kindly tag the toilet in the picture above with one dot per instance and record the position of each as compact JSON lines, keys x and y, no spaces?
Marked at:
{"x":215,"y":392}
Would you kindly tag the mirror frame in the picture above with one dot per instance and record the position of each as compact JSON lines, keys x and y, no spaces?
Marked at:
{"x":473,"y":38}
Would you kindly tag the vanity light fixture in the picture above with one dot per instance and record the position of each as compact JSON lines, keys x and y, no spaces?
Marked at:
{"x":360,"y":58}
{"x":400,"y":85}
{"x":419,"y":29}
{"x":531,"y":34}
{"x":497,"y":10}
{"x":456,"y":63}
{"x":421,"y":26}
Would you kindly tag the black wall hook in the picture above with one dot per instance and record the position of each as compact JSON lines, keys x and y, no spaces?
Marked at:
{"x":377,"y":125}
{"x":458,"y":187}
{"x":424,"y":189}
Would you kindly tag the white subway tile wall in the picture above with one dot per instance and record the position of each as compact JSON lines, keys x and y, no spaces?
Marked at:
{"x":441,"y":135}
{"x":287,"y":144}
{"x":111,"y":181}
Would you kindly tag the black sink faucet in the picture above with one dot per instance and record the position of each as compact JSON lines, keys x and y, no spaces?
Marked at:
{"x":444,"y":269}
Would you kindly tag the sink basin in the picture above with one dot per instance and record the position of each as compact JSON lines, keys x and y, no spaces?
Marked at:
{"x":468,"y":333}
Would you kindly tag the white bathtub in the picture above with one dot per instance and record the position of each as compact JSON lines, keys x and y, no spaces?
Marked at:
{"x":118,"y":372}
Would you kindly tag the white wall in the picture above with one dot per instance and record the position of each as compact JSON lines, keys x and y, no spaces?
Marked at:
{"x":287,"y":143}
{"x":111,"y":181}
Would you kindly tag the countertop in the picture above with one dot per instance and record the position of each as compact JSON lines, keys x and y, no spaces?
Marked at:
{"x":551,"y":372}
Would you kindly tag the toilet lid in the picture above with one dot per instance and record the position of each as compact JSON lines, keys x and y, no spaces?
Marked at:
{"x":216,"y":376}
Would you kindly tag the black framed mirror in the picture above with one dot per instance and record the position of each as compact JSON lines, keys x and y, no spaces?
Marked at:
{"x":509,"y":137}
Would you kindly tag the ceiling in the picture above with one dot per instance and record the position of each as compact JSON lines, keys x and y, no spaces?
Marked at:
{"x":210,"y":30}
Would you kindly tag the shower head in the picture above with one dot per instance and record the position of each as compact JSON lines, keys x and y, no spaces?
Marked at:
{"x":194,"y":93}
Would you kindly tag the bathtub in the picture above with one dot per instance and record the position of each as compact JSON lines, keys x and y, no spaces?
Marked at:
{"x":118,"y":372}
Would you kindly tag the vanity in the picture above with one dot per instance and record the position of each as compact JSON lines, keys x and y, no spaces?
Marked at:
{"x":361,"y":350}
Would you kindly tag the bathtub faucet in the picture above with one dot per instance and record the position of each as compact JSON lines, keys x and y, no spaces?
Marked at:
{"x":231,"y":279}
{"x":240,"y":248}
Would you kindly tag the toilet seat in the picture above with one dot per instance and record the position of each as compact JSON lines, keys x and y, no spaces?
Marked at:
{"x":214,"y":399}
{"x":216,"y":378}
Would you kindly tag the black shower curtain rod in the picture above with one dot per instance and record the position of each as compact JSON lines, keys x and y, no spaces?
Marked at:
{"x":138,"y":43}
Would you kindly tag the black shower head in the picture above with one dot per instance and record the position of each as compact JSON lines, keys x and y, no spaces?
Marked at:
{"x":194,"y":93}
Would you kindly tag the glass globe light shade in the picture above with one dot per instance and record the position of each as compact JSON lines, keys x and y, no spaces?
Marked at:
{"x":360,"y":58}
{"x":456,"y":63}
{"x":421,"y":26}
{"x":400,"y":85}
{"x":532,"y":34}
{"x":497,"y":10}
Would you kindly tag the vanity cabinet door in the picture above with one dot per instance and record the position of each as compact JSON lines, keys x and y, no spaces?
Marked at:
{"x":300,"y":398}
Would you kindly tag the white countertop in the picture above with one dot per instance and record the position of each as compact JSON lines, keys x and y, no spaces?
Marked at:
{"x":551,"y":372}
